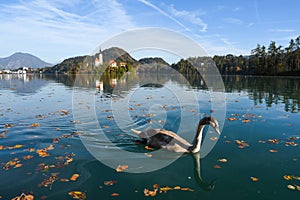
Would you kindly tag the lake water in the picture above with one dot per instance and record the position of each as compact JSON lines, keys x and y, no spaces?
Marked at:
{"x":256,"y":157}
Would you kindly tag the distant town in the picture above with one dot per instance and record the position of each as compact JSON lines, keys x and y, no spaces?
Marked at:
{"x":21,"y":70}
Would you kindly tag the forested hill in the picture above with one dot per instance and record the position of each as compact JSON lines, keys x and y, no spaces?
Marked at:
{"x":271,"y":60}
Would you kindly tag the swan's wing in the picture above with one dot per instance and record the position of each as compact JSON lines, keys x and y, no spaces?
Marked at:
{"x":175,"y":138}
{"x":161,"y":138}
{"x":140,"y":134}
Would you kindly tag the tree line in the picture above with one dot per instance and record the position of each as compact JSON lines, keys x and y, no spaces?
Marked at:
{"x":272,"y":60}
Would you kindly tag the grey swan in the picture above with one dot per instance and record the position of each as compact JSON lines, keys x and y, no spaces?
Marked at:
{"x":160,"y":138}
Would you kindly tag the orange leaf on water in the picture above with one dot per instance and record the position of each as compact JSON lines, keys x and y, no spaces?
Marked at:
{"x":254,"y":179}
{"x":149,"y":148}
{"x":187,"y":189}
{"x":217,"y":167}
{"x":115,"y":194}
{"x":177,"y":188}
{"x":74,"y":177}
{"x":151,"y":193}
{"x":42,"y":153}
{"x":18,"y":165}
{"x":110,"y":183}
{"x":231,"y":119}
{"x":246,"y":120}
{"x":35,"y":125}
{"x":77,"y":195}
{"x":121,"y":168}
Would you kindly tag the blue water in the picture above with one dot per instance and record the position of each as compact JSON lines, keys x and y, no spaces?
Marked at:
{"x":271,"y":105}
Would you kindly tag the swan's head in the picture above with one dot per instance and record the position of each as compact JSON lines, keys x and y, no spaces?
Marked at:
{"x":208,"y":120}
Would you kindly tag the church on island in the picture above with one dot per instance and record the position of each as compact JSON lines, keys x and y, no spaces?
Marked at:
{"x":112,"y":64}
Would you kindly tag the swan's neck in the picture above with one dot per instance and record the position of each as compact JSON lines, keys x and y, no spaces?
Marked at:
{"x":195,"y":148}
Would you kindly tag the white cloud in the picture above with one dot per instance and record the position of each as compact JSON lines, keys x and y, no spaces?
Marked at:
{"x":64,"y":28}
{"x":282,"y":30}
{"x":218,"y":45}
{"x":174,"y":14}
{"x":189,"y":16}
{"x":236,"y":9}
{"x":232,"y":20}
{"x":147,"y":3}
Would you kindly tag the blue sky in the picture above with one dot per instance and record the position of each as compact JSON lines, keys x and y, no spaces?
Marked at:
{"x":55,"y":29}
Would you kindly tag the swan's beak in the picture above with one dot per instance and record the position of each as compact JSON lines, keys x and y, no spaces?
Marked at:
{"x":217,"y":130}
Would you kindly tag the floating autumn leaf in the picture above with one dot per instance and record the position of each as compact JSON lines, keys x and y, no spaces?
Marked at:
{"x":40,"y":116}
{"x":130,"y":108}
{"x":273,"y":141}
{"x":291,"y":177}
{"x":7,"y":125}
{"x":296,"y":177}
{"x":287,"y":177}
{"x":165,"y":189}
{"x":27,"y":157}
{"x":42,"y":153}
{"x":17,"y":146}
{"x":149,"y":148}
{"x":18,"y":165}
{"x":121,"y":168}
{"x":77,"y":195}
{"x":148,"y":155}
{"x":213,"y":138}
{"x":217,"y":166}
{"x":64,"y":180}
{"x":68,"y":160}
{"x":151,"y":193}
{"x":49,"y":180}
{"x":254,"y":179}
{"x":74,"y":177}
{"x":12,"y":163}
{"x":110,"y":183}
{"x":223,"y":160}
{"x":187,"y":189}
{"x":35,"y":125}
{"x":24,"y":197}
{"x":291,"y":143}
{"x":246,"y":120}
{"x":241,"y":144}
{"x":110,"y":117}
{"x":177,"y":188}
{"x":155,"y":186}
{"x":64,"y":112}
{"x":55,"y":140}
{"x":273,"y":150}
{"x":3,"y":134}
{"x":115,"y":194}
{"x":231,"y":119}
{"x":291,"y":187}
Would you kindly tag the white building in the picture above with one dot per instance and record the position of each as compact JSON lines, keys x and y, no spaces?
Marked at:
{"x":99,"y":60}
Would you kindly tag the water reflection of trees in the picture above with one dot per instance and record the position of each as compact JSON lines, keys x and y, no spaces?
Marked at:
{"x":268,"y":90}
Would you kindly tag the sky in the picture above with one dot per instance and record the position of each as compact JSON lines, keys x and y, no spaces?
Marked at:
{"x":54,"y":29}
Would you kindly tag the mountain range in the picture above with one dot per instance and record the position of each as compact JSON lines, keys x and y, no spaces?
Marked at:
{"x":19,"y":59}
